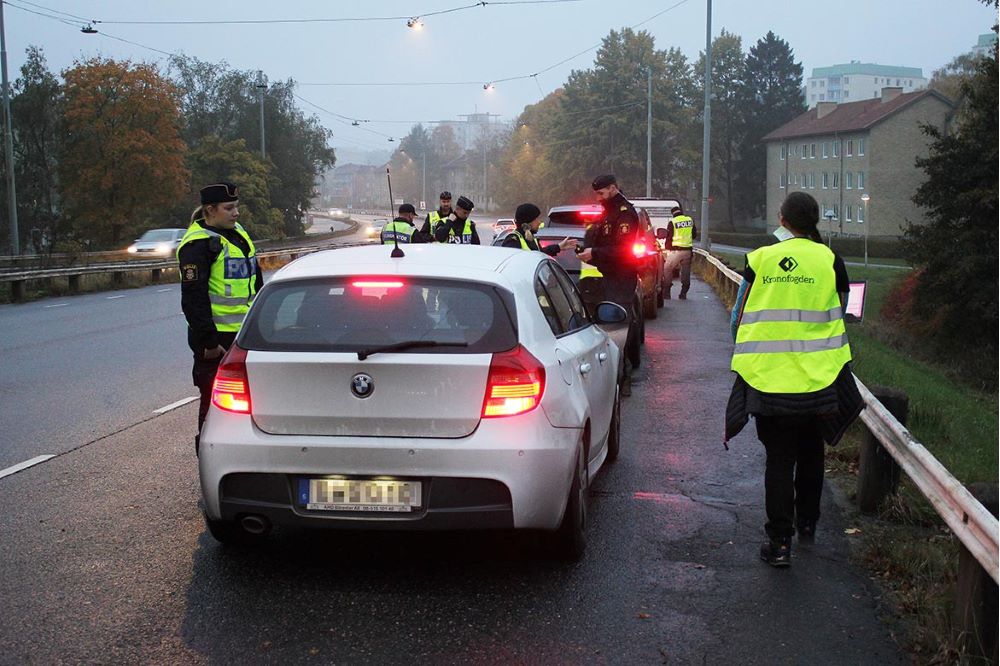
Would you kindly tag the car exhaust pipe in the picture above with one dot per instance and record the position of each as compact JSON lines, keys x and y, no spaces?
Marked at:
{"x":253,"y":524}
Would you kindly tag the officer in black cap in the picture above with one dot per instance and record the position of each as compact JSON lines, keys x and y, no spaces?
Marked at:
{"x":608,"y":247}
{"x":458,"y":228}
{"x":435,"y":217}
{"x":219,"y":278}
{"x":402,"y":229}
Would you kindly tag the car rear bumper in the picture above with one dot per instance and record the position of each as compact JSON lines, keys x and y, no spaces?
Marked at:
{"x":511,"y":472}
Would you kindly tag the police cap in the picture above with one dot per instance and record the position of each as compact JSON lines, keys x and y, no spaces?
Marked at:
{"x":604,"y":181}
{"x":407,"y":208}
{"x":219,"y":193}
{"x":465,"y":203}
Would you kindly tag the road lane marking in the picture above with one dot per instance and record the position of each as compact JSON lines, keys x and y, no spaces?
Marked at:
{"x":175,"y":405}
{"x":25,"y":465}
{"x":111,"y":298}
{"x":160,"y":291}
{"x":57,"y":305}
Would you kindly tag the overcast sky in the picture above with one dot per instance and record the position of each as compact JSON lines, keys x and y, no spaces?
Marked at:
{"x":474,"y":45}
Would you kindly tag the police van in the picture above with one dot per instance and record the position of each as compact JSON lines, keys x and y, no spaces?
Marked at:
{"x":658,"y":211}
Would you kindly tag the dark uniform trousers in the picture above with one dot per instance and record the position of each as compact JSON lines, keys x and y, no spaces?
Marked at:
{"x":203,"y":373}
{"x":794,"y":450}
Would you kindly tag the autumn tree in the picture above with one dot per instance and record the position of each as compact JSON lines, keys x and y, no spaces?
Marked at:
{"x":769,"y":95}
{"x":123,"y":158}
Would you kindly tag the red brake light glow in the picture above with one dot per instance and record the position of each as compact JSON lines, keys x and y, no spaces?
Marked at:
{"x":377,"y":284}
{"x":231,"y":389}
{"x":639,"y":250}
{"x":515,"y":384}
{"x":591,"y":213}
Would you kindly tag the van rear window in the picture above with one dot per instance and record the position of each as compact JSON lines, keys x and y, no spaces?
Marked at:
{"x":348,"y":314}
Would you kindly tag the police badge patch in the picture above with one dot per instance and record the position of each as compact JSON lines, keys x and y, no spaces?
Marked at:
{"x":189,"y":272}
{"x":623,"y":228}
{"x":623,"y":208}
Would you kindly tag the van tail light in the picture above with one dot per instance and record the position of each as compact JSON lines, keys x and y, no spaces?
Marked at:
{"x":515,"y":384}
{"x":231,"y":389}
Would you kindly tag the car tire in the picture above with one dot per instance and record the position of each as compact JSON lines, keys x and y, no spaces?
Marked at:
{"x":661,"y":289}
{"x":571,"y":537}
{"x":649,"y":307}
{"x":230,"y":534}
{"x":615,"y":430}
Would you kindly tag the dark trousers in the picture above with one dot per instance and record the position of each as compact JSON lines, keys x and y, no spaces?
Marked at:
{"x":620,"y":290}
{"x":793,"y":476}
{"x":203,"y":374}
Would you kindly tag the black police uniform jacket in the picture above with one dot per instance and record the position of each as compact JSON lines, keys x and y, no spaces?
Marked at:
{"x":611,"y":241}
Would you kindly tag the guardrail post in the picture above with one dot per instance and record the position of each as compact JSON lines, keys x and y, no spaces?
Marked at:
{"x":117,"y":277}
{"x":154,"y":275}
{"x":74,"y":283}
{"x":878,"y":473}
{"x":17,"y":291}
{"x":975,"y":617}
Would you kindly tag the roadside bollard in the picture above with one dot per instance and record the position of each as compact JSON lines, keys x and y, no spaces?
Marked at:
{"x":975,"y":618}
{"x":878,"y":473}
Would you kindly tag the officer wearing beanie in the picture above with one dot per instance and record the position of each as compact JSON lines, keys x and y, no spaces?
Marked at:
{"x":402,"y":230}
{"x":435,"y":217}
{"x":219,"y":278}
{"x":458,"y":228}
{"x":529,"y":219}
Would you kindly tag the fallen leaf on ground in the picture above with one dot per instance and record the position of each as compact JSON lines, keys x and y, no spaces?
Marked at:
{"x":852,"y":530}
{"x":643,"y":616}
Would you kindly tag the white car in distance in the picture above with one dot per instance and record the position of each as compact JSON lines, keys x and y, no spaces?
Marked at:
{"x":452,"y":388}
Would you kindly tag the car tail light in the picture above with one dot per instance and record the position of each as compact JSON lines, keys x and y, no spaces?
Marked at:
{"x":591,"y":213}
{"x":231,"y":389}
{"x":515,"y":383}
{"x":377,"y":284}
{"x":639,"y":250}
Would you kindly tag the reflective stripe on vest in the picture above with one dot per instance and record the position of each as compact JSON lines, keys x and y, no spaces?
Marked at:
{"x":589,"y":271}
{"x":465,"y":238}
{"x":520,"y":239}
{"x":231,"y":278}
{"x":791,"y":337}
{"x":400,"y":231}
{"x":683,"y":231}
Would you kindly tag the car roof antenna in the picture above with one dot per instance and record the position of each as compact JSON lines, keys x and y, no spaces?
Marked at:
{"x":396,"y":253}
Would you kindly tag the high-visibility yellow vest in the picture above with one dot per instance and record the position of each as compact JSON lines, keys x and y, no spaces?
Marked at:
{"x":465,"y":238}
{"x":520,"y":239}
{"x":791,"y":337}
{"x":434,"y":219}
{"x":231,"y":280}
{"x":683,"y":231}
{"x":397,"y":230}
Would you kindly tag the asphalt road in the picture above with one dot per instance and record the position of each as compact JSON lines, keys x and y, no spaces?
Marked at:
{"x":105,"y":557}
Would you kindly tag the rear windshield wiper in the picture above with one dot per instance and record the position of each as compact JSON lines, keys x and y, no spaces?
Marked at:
{"x":408,"y":344}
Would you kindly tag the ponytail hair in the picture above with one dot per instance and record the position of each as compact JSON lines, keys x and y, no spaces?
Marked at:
{"x":198,"y":213}
{"x":801,"y":212}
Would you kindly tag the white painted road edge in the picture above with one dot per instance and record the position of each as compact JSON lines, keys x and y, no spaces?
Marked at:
{"x":25,"y":465}
{"x":175,"y":405}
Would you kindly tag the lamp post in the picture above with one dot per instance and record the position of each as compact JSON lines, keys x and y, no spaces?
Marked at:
{"x":649,"y":132}
{"x":261,"y":87}
{"x":865,"y":198}
{"x":8,"y":140}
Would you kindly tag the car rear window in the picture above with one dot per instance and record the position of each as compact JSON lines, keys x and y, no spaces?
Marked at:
{"x":355,"y":313}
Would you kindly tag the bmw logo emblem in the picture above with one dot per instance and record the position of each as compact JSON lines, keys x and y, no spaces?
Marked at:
{"x":362,"y":385}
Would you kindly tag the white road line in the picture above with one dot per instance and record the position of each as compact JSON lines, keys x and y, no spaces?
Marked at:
{"x":160,"y":291}
{"x":57,"y":305}
{"x":175,"y":405}
{"x":25,"y":465}
{"x":111,"y":298}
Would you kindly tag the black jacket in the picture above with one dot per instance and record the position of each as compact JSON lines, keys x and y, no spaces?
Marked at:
{"x":611,"y":240}
{"x":195,"y":260}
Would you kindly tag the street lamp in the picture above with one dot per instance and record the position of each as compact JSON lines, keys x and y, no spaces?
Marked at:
{"x":261,"y":87}
{"x":829,"y":221}
{"x":865,"y":198}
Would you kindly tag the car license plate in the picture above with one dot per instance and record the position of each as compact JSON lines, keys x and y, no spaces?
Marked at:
{"x":359,"y":495}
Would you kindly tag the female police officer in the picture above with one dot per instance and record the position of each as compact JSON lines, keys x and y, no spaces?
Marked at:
{"x":219,"y":278}
{"x":792,"y":361}
{"x":529,"y":219}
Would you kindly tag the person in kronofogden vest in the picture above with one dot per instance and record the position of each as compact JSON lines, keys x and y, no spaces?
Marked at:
{"x":435,"y":217}
{"x":528,"y":218}
{"x":681,"y":233}
{"x":458,"y":228}
{"x":219,"y":278}
{"x":401,"y":229}
{"x":792,"y":361}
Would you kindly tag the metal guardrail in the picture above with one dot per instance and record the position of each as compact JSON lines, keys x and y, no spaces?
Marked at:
{"x":970,"y":521}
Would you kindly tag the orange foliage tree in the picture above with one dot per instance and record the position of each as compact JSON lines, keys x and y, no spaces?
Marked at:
{"x":123,"y":158}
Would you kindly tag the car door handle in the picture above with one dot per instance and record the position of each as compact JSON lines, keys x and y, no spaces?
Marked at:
{"x":584,"y":368}
{"x":602,"y":357}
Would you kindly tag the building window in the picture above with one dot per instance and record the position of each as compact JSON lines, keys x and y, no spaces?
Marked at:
{"x":784,"y":151}
{"x":822,"y":83}
{"x":803,"y":181}
{"x":805,"y":150}
{"x":812,"y":181}
{"x":897,"y":82}
{"x":822,"y":97}
{"x":861,"y":180}
{"x":847,"y":213}
{"x":781,"y":181}
{"x":812,"y":151}
{"x":836,"y":211}
{"x":826,"y":180}
{"x":836,"y":148}
{"x":813,"y":97}
{"x":849,"y":180}
{"x":826,"y":149}
{"x":813,"y":82}
{"x":836,"y":181}
{"x":861,"y":146}
{"x":850,"y":148}
{"x":847,"y":93}
{"x":847,"y":80}
{"x":861,"y":213}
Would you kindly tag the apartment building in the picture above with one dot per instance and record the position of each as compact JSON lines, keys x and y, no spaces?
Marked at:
{"x":856,"y":81}
{"x":840,"y":152}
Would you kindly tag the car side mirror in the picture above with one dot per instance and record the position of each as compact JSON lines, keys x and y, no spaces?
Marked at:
{"x":610,"y":313}
{"x":661,"y":233}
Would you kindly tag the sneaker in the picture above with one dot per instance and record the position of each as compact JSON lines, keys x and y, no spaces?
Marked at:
{"x":776,"y":553}
{"x":683,"y":296}
{"x":806,"y":533}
